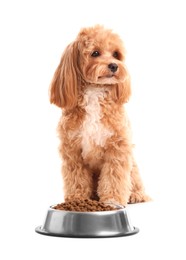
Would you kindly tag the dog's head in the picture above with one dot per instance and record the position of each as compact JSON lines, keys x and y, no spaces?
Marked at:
{"x":95,"y":57}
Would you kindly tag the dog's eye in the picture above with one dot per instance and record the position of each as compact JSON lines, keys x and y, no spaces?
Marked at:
{"x":116,"y":55}
{"x":95,"y":54}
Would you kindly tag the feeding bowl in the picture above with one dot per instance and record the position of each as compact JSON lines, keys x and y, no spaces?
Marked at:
{"x":114,"y":223}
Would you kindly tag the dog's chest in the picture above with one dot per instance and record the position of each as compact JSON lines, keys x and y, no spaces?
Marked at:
{"x":93,"y":132}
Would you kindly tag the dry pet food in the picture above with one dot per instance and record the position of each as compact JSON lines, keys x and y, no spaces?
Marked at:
{"x":84,"y":206}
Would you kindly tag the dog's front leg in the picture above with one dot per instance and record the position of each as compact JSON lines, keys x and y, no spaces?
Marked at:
{"x":115,"y":183}
{"x":138,"y":191}
{"x":77,"y":180}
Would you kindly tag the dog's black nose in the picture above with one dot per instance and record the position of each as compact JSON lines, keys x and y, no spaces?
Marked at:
{"x":113,"y":67}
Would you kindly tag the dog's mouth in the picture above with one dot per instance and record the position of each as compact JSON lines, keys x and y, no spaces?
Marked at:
{"x":106,"y":76}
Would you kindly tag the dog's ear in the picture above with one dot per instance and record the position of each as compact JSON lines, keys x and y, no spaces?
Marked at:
{"x":122,"y":91}
{"x":64,"y":85}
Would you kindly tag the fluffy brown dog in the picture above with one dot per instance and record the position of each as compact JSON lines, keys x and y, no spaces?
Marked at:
{"x":91,"y":84}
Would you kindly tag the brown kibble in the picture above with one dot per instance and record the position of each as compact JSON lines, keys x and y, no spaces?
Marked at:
{"x":84,"y":206}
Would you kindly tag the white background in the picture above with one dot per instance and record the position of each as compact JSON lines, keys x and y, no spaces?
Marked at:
{"x":33,"y":35}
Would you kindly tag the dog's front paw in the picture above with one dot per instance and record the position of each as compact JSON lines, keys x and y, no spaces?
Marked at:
{"x":138,"y":196}
{"x":114,"y":203}
{"x":75,"y":198}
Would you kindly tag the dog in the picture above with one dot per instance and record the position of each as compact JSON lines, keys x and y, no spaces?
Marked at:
{"x":91,"y":85}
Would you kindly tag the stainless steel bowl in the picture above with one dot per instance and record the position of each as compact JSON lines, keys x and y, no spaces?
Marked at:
{"x":97,"y":224}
